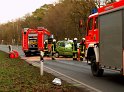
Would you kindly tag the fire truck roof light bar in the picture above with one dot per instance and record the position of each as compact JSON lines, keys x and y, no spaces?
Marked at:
{"x":25,"y":29}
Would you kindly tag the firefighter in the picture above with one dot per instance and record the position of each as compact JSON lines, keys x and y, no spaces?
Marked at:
{"x":50,"y":41}
{"x":82,"y":49}
{"x":74,"y":47}
{"x":53,"y":49}
{"x":46,"y":48}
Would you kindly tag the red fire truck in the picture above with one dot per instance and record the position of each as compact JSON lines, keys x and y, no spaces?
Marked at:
{"x":104,"y":39}
{"x":33,"y":40}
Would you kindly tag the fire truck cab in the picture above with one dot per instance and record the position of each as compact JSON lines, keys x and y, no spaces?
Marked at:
{"x":105,"y":39}
{"x":33,"y":40}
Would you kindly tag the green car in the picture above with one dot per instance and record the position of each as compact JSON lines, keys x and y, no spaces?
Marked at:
{"x":64,"y":48}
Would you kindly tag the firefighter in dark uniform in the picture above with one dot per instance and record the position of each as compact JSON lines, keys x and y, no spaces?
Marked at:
{"x":50,"y":41}
{"x":74,"y":48}
{"x":46,"y":48}
{"x":82,"y":49}
{"x":53,"y":49}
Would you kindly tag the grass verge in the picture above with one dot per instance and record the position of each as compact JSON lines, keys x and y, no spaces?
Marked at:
{"x":16,"y":75}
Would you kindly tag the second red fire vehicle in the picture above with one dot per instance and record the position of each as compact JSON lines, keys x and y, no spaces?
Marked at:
{"x":33,"y":40}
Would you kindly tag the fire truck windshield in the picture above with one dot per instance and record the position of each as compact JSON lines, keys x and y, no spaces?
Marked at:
{"x":32,"y":41}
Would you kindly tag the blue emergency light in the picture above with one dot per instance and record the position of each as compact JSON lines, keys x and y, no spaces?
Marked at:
{"x":94,"y":10}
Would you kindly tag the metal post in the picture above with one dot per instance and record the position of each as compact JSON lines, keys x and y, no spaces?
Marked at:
{"x":123,"y":64}
{"x":10,"y":48}
{"x":41,"y":62}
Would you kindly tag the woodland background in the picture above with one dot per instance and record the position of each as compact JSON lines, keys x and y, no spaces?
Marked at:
{"x":61,"y":19}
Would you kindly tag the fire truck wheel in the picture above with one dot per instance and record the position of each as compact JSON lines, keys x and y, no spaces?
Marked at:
{"x":96,"y":71}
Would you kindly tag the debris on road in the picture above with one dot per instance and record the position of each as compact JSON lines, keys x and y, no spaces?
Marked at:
{"x":57,"y":81}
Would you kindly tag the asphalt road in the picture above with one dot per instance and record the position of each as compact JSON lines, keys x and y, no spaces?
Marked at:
{"x":110,"y":82}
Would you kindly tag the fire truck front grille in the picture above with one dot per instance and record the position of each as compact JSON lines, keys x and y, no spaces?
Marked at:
{"x":33,"y":48}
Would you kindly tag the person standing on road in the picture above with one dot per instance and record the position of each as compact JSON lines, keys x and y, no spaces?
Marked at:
{"x":53,"y":49}
{"x":74,"y":48}
{"x":82,"y":49}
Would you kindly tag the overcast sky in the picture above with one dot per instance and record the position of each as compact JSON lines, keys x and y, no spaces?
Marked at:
{"x":13,"y":9}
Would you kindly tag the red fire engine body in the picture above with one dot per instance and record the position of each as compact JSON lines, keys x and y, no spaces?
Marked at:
{"x":33,"y":40}
{"x":104,"y":39}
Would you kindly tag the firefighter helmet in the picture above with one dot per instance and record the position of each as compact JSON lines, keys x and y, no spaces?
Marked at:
{"x":54,"y":40}
{"x":83,"y":39}
{"x":66,"y":39}
{"x":75,"y":38}
{"x":46,"y":40}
